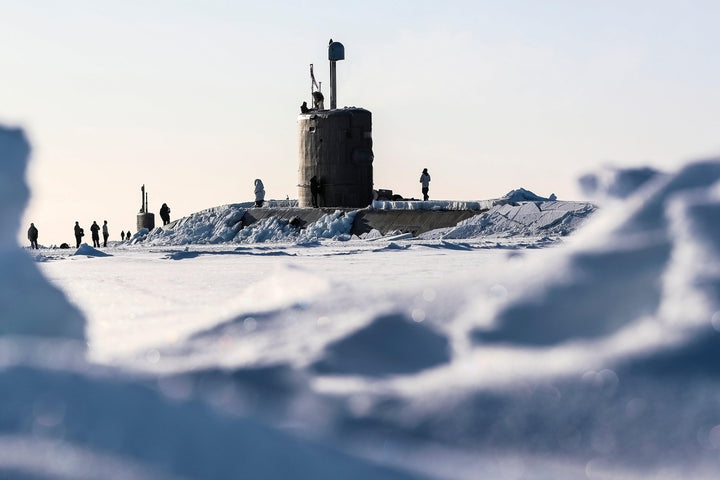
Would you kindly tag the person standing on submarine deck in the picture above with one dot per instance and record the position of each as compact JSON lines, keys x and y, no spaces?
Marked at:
{"x":425,"y":181}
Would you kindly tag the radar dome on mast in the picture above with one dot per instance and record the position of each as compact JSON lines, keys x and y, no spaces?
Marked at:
{"x":336,"y":51}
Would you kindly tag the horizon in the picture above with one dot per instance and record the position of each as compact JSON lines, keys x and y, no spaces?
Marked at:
{"x":195,"y":102}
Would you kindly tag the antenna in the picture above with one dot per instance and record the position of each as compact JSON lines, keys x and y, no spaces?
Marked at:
{"x":336,"y":51}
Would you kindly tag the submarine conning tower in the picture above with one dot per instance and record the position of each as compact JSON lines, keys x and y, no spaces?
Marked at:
{"x":335,"y":146}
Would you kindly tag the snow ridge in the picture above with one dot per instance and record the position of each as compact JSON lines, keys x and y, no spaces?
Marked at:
{"x":524,"y":219}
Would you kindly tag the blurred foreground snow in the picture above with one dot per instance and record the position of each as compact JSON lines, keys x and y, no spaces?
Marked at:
{"x":376,"y":358}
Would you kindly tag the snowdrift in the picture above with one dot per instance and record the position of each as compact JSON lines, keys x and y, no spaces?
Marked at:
{"x":612,"y":182}
{"x":525,"y":219}
{"x":224,"y":225}
{"x":89,"y":251}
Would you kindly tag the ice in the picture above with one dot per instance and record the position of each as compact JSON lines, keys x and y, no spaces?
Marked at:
{"x":89,"y":251}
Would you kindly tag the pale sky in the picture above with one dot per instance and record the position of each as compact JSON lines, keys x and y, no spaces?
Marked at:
{"x":196,"y":99}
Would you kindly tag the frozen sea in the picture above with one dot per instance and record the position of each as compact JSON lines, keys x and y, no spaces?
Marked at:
{"x":535,"y":341}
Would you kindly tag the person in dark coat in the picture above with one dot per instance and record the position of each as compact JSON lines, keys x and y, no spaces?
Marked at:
{"x":425,"y":181}
{"x":164,"y":214}
{"x":95,"y":229}
{"x":33,"y":236}
{"x":122,"y":235}
{"x":79,"y":233}
{"x":315,"y":188}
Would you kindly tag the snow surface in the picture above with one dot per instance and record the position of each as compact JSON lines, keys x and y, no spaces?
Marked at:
{"x":610,"y":182}
{"x":383,"y":357}
{"x":521,"y":195}
{"x":223,"y":225}
{"x":430,"y":205}
{"x":89,"y":251}
{"x":544,"y":220}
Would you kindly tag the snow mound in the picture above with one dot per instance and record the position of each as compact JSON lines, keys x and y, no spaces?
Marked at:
{"x":336,"y":225}
{"x":375,"y":350}
{"x":629,"y":271}
{"x":521,"y":195}
{"x":214,"y":225}
{"x":526,"y":219}
{"x":29,"y":304}
{"x":224,"y":225}
{"x":612,"y":182}
{"x":272,"y":229}
{"x":89,"y":251}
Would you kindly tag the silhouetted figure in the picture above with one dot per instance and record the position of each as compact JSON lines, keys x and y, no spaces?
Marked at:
{"x":304,"y":108}
{"x":95,"y":230}
{"x":259,"y":193}
{"x":315,"y":188}
{"x":318,"y":100}
{"x":79,"y":233}
{"x":122,"y":235}
{"x":164,"y":214}
{"x":33,"y":236}
{"x":106,"y":233}
{"x":425,"y":181}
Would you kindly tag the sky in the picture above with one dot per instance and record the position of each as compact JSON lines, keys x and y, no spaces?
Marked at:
{"x":197,"y":99}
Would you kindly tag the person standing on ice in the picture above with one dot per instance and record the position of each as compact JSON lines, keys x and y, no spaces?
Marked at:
{"x":259,"y":193}
{"x":79,"y":233}
{"x":425,"y":181}
{"x":164,"y":214}
{"x":106,"y":233}
{"x":33,"y":236}
{"x":95,"y":229}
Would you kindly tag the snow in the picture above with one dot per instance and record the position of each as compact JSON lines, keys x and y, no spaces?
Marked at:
{"x":29,"y":305}
{"x":521,"y":195}
{"x":214,"y":225}
{"x":430,"y":205}
{"x":279,"y":353}
{"x":540,"y":219}
{"x":612,"y":182}
{"x":89,"y":251}
{"x":224,"y":225}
